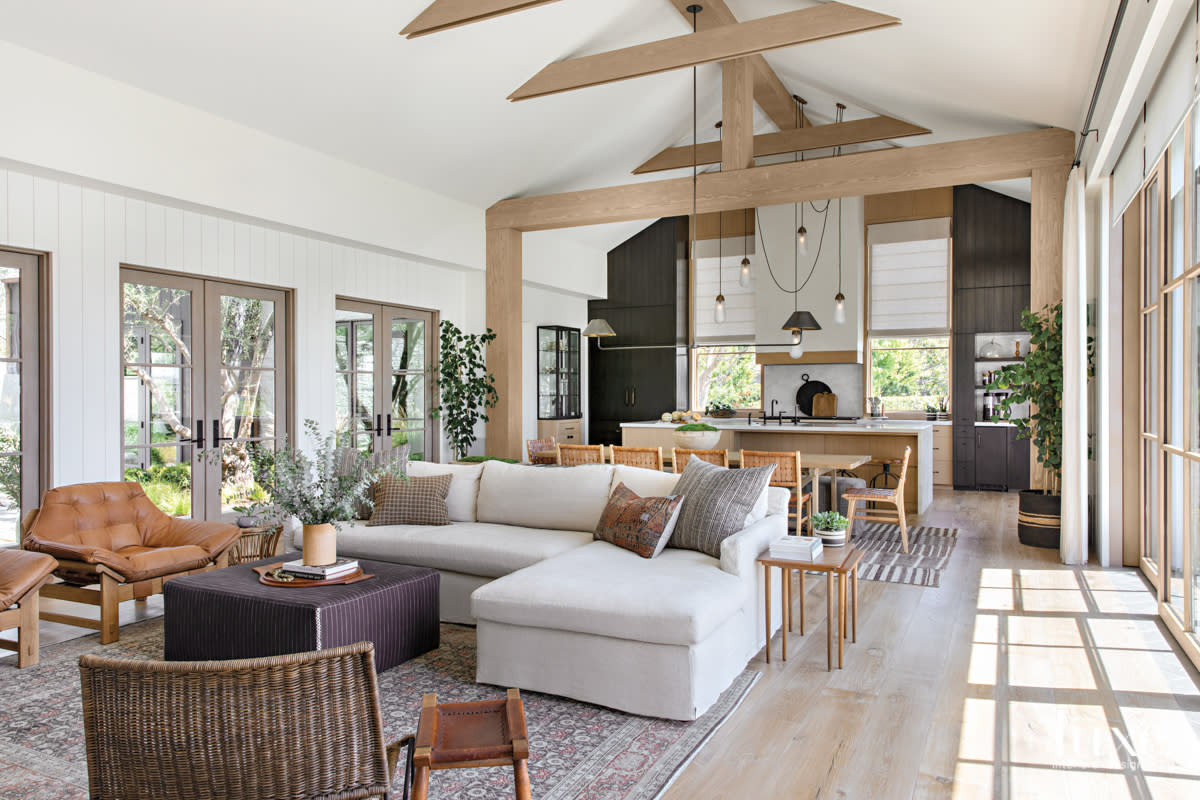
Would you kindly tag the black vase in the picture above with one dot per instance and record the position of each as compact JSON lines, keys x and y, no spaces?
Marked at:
{"x":1039,"y":519}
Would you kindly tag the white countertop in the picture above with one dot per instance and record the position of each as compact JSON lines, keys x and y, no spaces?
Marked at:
{"x":995,"y":424}
{"x":739,"y":424}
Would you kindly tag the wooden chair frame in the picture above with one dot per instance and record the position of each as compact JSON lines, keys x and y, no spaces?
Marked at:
{"x":644,"y":457}
{"x":577,"y":454}
{"x":514,"y":752}
{"x":546,"y":456}
{"x":788,"y":475}
{"x":678,"y":455}
{"x":892,"y":497}
{"x":25,"y":619}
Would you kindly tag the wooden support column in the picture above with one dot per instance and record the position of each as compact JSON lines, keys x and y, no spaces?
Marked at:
{"x":737,"y":114}
{"x":1048,"y":198}
{"x":504,"y":313}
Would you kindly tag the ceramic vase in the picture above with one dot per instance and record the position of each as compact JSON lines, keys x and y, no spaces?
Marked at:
{"x":320,"y":544}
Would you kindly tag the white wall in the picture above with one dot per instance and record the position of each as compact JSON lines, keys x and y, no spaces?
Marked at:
{"x":780,"y":383}
{"x":773,"y":306}
{"x":89,"y":233}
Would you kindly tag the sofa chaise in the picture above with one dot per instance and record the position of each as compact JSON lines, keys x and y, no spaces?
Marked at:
{"x":558,"y":612}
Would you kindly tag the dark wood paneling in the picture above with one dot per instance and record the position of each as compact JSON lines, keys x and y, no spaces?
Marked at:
{"x":991,"y":456}
{"x":991,"y":239}
{"x":1018,"y":462}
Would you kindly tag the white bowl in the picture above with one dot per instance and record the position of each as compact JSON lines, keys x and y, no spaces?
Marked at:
{"x":696,"y":440}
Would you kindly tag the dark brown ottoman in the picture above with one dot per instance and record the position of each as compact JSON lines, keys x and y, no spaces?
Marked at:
{"x":227,"y":614}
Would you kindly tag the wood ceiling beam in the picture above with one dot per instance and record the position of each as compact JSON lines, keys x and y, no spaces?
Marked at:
{"x":872,"y":129}
{"x":769,"y":92}
{"x":1014,"y":155}
{"x":445,"y":14}
{"x":706,"y":47}
{"x":737,"y":114}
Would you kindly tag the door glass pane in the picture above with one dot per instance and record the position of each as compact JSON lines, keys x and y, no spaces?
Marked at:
{"x":1152,"y":270}
{"x":1194,"y":382}
{"x":412,"y":433}
{"x":1174,"y":367}
{"x":1176,"y":524}
{"x":247,"y":404}
{"x":10,"y":406}
{"x":10,"y":499}
{"x":157,"y":374}
{"x":1193,"y":505}
{"x":408,"y":345}
{"x":408,"y":396}
{"x":341,"y":345}
{"x":1151,"y":387}
{"x":247,"y":332}
{"x":1176,"y":183}
{"x":1150,"y":470}
{"x":165,"y":474}
{"x":10,"y":312}
{"x":239,"y":485}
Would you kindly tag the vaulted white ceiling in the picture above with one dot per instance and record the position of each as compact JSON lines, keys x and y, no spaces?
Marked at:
{"x":335,"y":76}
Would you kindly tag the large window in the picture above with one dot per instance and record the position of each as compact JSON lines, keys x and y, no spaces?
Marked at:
{"x":20,"y":483}
{"x":911,"y":373}
{"x":727,"y":374}
{"x":908,"y":323}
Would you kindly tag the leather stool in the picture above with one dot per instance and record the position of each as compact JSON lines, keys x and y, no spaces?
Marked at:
{"x":490,"y":733}
{"x":22,"y":574}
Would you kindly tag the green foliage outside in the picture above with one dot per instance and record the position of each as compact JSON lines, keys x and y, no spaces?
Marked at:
{"x":169,"y":486}
{"x":481,"y":459}
{"x":10,"y":467}
{"x":910,"y":374}
{"x":728,"y":375}
{"x":696,"y":427}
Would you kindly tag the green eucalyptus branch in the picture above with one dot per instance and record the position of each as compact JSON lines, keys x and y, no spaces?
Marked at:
{"x":465,"y":388}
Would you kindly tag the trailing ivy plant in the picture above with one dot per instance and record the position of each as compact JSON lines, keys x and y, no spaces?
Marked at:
{"x":465,"y":388}
{"x":1038,"y":380}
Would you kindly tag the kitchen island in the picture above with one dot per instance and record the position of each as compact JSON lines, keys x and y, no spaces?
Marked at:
{"x":882,"y":440}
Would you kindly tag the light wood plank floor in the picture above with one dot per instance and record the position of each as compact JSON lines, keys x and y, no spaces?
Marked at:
{"x":1018,"y":677}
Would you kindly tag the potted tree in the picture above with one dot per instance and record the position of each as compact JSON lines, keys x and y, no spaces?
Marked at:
{"x":1038,"y":381}
{"x":466,"y":390}
{"x":831,"y":527}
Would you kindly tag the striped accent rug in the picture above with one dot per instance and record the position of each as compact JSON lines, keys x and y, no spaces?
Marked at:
{"x":884,"y":559}
{"x":577,"y":751}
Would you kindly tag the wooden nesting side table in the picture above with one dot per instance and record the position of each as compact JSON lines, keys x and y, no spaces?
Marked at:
{"x":840,"y":565}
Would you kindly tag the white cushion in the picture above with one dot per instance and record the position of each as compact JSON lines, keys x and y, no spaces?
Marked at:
{"x":560,"y":498}
{"x":678,"y":598}
{"x":473,"y":548}
{"x":464,"y":486}
{"x":778,"y":500}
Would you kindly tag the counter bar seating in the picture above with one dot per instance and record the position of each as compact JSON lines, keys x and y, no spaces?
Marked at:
{"x":894,"y":497}
{"x":679,"y":458}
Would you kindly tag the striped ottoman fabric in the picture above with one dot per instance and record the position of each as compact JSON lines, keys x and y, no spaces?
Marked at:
{"x":228,"y":614}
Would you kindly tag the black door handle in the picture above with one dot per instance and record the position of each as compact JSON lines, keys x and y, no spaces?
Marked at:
{"x":217,"y":438}
{"x":389,"y":424}
{"x":379,"y":425}
{"x":199,"y":438}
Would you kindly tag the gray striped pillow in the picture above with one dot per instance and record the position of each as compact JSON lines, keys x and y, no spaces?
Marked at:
{"x":717,"y":502}
{"x":411,"y":501}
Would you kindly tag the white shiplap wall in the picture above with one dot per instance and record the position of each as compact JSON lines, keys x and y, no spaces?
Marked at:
{"x":89,"y":232}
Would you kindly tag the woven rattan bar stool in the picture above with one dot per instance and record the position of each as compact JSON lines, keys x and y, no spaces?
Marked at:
{"x":490,"y":733}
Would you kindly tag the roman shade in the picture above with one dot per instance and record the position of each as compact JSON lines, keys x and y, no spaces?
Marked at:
{"x":909,"y":278}
{"x":723,"y":256}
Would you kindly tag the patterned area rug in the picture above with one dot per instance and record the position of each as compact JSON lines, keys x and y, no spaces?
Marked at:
{"x":929,"y":551}
{"x":577,"y":750}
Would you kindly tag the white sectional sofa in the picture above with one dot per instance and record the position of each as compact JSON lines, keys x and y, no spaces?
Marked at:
{"x":558,"y":612}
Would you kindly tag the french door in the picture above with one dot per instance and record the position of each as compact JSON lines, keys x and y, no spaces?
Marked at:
{"x":20,"y":473}
{"x":204,"y":374}
{"x":384,"y":378}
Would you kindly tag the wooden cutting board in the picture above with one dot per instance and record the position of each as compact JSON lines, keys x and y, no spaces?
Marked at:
{"x":824,"y":404}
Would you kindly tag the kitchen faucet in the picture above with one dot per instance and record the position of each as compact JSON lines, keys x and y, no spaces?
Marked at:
{"x":773,"y":402}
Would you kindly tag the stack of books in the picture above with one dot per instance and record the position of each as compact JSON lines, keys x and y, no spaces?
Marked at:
{"x":797,"y":548}
{"x":338,"y":569}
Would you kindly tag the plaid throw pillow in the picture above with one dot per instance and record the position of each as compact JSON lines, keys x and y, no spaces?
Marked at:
{"x":641,"y":525}
{"x":415,"y":501}
{"x":718,"y":501}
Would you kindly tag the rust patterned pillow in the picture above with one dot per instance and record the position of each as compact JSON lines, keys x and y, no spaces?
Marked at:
{"x":639,"y":524}
{"x":411,"y":501}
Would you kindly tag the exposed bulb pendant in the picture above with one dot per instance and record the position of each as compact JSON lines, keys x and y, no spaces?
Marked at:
{"x":744,"y":275}
{"x":802,"y":240}
{"x":839,"y":308}
{"x":797,"y":349}
{"x":719,"y":310}
{"x":839,"y":299}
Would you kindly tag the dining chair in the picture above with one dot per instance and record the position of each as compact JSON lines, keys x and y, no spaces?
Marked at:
{"x":893,"y":497}
{"x":789,"y":475}
{"x":679,"y":458}
{"x":302,"y":725}
{"x":541,"y":451}
{"x":645,"y":457}
{"x":573,"y":455}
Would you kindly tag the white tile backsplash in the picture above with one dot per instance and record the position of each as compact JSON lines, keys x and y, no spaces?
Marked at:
{"x":780,"y":383}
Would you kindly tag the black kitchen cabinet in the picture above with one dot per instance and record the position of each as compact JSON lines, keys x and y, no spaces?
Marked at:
{"x":646,"y":274}
{"x":991,"y":456}
{"x":1018,"y":461}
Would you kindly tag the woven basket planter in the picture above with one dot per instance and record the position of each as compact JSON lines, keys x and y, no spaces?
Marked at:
{"x":1039,"y":519}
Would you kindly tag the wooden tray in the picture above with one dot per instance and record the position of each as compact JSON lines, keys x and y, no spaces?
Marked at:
{"x":265,"y":579}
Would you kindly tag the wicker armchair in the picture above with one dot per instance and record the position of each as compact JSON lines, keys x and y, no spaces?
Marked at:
{"x":295,"y":726}
{"x":111,"y":534}
{"x":679,"y":458}
{"x":542,"y":451}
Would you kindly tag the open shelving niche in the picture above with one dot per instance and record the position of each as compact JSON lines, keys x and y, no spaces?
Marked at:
{"x":1006,"y":341}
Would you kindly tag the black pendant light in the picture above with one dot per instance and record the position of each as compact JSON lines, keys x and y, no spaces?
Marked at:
{"x":799,"y":321}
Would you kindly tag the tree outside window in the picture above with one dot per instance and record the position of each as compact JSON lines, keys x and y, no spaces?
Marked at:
{"x":910,"y":374}
{"x":728,"y":374}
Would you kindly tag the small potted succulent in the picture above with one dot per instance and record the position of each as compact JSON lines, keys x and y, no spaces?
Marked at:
{"x":831,"y":527}
{"x":719,"y":410}
{"x":943,"y":408}
{"x":931,"y":412}
{"x":696,"y":436}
